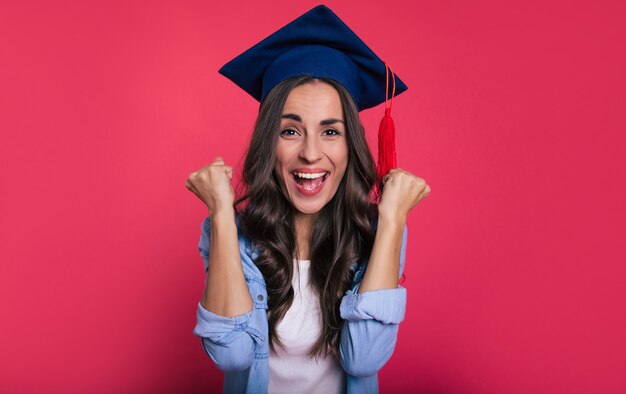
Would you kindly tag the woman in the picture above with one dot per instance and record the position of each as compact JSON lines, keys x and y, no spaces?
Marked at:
{"x":302,"y":287}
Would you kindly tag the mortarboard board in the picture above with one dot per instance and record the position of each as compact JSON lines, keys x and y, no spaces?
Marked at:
{"x":320,"y":44}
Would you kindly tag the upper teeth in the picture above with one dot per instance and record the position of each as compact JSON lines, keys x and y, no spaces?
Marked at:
{"x":309,"y":175}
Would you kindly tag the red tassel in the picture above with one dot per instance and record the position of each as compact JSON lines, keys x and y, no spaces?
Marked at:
{"x":386,"y":144}
{"x":387,"y":131}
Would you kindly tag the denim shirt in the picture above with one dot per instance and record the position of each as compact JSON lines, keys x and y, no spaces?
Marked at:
{"x":239,"y":346}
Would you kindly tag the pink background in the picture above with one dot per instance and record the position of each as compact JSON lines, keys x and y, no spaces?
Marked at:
{"x":514,"y":116}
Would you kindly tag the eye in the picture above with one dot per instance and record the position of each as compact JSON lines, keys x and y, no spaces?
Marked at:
{"x":289,"y":133}
{"x":331,"y":132}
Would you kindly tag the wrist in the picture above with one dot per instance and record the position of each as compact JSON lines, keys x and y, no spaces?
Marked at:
{"x":222,"y":213}
{"x":392,"y":219}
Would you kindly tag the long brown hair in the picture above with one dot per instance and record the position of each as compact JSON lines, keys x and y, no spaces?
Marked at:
{"x":342,"y":233}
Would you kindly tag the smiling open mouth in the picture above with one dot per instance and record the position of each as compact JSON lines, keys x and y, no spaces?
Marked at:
{"x":310,"y":181}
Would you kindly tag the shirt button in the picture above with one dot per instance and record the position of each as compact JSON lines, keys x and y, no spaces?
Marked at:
{"x":259,"y":297}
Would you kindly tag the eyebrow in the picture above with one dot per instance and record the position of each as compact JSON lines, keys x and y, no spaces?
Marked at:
{"x":324,"y":122}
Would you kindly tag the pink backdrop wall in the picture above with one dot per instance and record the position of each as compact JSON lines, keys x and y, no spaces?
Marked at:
{"x":514,"y":116}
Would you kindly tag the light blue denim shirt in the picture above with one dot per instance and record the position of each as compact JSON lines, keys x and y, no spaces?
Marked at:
{"x":239,"y":345}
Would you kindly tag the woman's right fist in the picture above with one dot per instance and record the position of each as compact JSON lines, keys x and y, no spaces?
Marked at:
{"x":212,"y":185}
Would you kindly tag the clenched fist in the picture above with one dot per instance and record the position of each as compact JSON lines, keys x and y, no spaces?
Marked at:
{"x":401,"y":192}
{"x":212,"y":185}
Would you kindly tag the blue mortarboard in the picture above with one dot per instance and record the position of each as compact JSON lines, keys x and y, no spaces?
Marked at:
{"x":319,"y":44}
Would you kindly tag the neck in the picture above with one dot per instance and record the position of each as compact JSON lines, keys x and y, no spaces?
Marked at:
{"x":304,"y":226}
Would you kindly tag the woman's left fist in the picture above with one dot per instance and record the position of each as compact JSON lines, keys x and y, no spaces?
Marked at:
{"x":401,"y":192}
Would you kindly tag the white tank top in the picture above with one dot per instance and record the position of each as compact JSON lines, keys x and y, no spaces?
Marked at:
{"x":292,"y":370}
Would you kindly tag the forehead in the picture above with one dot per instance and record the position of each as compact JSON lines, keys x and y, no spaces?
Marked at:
{"x":315,"y":100}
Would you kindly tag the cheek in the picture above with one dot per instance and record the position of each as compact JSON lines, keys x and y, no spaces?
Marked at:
{"x":279,"y":163}
{"x":277,"y":167}
{"x":279,"y":173}
{"x":284,"y":152}
{"x":340,"y":157}
{"x":280,"y":167}
{"x":279,"y":177}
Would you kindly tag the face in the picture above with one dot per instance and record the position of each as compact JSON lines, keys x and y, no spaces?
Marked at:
{"x":312,"y":151}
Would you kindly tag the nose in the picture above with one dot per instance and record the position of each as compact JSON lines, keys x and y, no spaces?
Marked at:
{"x":311,"y":150}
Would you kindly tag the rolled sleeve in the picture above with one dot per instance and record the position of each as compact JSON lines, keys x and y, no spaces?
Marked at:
{"x":218,"y":328}
{"x":385,"y":305}
{"x":370,"y":330}
{"x":229,"y":341}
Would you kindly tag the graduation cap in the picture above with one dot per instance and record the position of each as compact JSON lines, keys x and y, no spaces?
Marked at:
{"x":321,"y":45}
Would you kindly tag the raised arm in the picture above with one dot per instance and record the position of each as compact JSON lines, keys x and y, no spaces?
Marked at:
{"x":226,"y":302}
{"x":401,"y":192}
{"x":226,"y":292}
{"x":375,"y":306}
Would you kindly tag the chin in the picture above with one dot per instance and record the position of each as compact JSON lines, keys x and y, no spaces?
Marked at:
{"x":308,"y":207}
